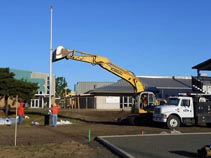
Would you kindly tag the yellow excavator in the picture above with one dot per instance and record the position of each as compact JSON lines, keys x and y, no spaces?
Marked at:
{"x":144,"y":101}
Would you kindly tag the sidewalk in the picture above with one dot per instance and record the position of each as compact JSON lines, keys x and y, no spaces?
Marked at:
{"x":156,"y":145}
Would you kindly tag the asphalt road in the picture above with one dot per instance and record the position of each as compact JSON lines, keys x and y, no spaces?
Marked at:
{"x":159,"y":146}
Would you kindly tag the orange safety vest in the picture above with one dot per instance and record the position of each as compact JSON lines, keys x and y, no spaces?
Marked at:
{"x":55,"y":109}
{"x":21,"y":109}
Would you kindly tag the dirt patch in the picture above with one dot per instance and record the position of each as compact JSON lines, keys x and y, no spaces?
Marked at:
{"x":71,"y":140}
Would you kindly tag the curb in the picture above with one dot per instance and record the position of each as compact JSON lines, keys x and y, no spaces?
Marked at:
{"x":113,"y":148}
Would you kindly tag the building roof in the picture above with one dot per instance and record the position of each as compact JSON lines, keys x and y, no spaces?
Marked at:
{"x":206,"y":65}
{"x":83,"y":87}
{"x":121,"y":86}
{"x":150,"y":83}
{"x":168,"y":82}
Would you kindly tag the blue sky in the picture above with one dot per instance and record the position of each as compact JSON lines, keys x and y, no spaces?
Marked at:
{"x":147,"y":37}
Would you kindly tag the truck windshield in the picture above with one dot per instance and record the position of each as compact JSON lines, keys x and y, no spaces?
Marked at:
{"x":173,"y":101}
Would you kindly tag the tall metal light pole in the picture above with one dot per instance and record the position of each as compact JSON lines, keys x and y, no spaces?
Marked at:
{"x":51,"y":50}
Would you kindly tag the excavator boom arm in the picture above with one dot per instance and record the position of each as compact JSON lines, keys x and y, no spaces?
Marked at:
{"x":61,"y":53}
{"x":126,"y":75}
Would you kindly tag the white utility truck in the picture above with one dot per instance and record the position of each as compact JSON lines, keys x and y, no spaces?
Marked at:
{"x":191,"y":109}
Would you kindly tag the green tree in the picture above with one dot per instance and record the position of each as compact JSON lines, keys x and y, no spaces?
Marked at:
{"x":11,"y":87}
{"x":6,"y":82}
{"x":61,"y":87}
{"x":26,"y":90}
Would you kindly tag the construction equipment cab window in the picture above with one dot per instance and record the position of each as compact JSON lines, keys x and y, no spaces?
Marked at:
{"x":148,"y":101}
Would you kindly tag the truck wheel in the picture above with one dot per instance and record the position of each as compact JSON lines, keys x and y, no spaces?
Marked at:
{"x":173,"y":122}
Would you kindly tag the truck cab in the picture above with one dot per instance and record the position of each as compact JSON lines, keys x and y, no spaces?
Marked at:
{"x":175,"y":112}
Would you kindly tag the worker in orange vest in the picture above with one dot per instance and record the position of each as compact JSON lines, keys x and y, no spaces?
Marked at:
{"x":54,"y":113}
{"x":20,"y":111}
{"x":144,"y":101}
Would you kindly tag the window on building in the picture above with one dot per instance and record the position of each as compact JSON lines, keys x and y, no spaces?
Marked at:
{"x":126,"y":101}
{"x":48,"y":80}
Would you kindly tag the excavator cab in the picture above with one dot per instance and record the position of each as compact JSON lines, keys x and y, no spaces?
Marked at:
{"x":145,"y":103}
